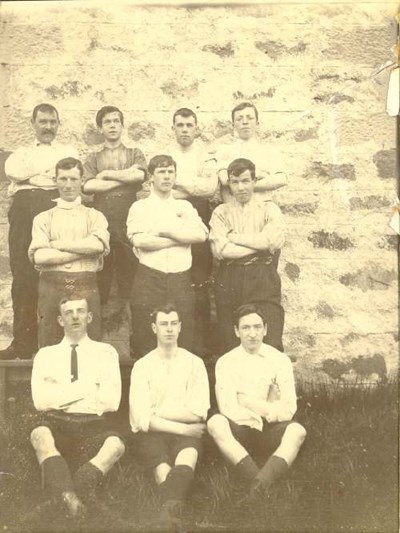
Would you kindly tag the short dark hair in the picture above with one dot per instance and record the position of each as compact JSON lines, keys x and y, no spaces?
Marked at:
{"x":238,"y":166}
{"x":66,"y":299}
{"x":67,"y":163}
{"x":247,"y":309}
{"x":160,"y":161}
{"x":166,"y":308}
{"x":44,"y":108}
{"x":105,"y":111}
{"x":184,"y":112}
{"x":242,"y":106}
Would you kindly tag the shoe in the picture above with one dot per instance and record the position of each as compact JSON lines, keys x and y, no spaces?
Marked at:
{"x":13,"y":352}
{"x":73,"y":505}
{"x":170,"y":517}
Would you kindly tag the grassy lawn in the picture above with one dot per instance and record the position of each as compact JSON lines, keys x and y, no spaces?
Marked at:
{"x":345,"y":478}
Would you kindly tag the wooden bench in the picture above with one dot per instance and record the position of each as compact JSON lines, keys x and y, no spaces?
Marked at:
{"x":21,"y":369}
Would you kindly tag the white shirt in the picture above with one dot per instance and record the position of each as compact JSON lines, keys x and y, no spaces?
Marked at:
{"x":265,"y":158}
{"x":195,"y":170}
{"x":97,"y":389}
{"x":70,"y":221}
{"x":154,"y":214}
{"x":158,"y":383}
{"x":36,"y":163}
{"x":267,"y":375}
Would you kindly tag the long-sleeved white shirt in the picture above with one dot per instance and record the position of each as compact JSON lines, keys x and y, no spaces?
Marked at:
{"x":267,"y":375}
{"x":154,"y":214}
{"x":97,"y":389}
{"x":36,"y":163}
{"x":157,"y":384}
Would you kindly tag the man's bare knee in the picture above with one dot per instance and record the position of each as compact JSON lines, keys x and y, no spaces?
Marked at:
{"x":115,"y":445}
{"x":297,"y":432}
{"x":42,"y":438}
{"x":218,"y":427}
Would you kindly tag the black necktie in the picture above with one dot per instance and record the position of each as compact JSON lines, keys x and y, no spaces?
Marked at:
{"x":74,"y":363}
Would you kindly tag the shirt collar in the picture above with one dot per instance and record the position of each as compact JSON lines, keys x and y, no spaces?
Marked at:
{"x":121,"y":145}
{"x":62,"y":204}
{"x":155,"y":198}
{"x":81,"y":343}
{"x":37,"y":143}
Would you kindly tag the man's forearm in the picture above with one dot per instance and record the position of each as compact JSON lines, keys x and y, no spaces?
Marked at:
{"x":158,"y":423}
{"x":51,"y":256}
{"x":182,"y":415}
{"x":185,"y":235}
{"x":257,"y":405}
{"x":94,"y":185}
{"x":234,"y":251}
{"x":255,"y":241}
{"x":127,"y":175}
{"x":270,"y":182}
{"x":88,"y":246}
{"x":151,"y":243}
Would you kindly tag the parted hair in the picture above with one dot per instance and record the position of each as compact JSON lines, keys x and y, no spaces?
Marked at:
{"x":105,"y":111}
{"x":247,"y":309}
{"x":160,"y":161}
{"x":242,"y":106}
{"x":166,"y":308}
{"x":238,"y":166}
{"x":44,"y":108}
{"x":67,"y":163}
{"x":184,"y":112}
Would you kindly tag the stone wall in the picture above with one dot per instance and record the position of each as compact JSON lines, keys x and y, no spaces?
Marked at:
{"x":310,"y":69}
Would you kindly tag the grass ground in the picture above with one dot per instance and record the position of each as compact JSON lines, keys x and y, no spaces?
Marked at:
{"x":345,"y":478}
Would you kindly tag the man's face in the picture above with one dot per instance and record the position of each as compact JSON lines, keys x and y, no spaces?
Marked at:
{"x":167,"y":327}
{"x":163,"y":179}
{"x":69,"y":184}
{"x":251,"y":331}
{"x":185,"y":130}
{"x":46,"y":125}
{"x":242,"y":187}
{"x":111,"y":126}
{"x":74,"y":318}
{"x":245,"y":123}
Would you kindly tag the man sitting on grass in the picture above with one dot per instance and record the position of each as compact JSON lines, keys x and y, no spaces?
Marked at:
{"x":257,"y":399}
{"x":74,"y":383}
{"x":169,"y":400}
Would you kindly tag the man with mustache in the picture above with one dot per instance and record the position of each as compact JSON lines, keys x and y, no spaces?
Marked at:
{"x":75,"y":384}
{"x":32,"y":188}
{"x":162,"y":230}
{"x":114,"y":175}
{"x":68,"y":245}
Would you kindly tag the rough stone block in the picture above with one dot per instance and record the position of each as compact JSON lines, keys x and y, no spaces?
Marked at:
{"x":331,"y":241}
{"x":330,"y":171}
{"x":373,"y":277}
{"x":385,"y":161}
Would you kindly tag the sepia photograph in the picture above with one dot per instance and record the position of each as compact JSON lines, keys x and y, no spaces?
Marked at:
{"x":199,"y":258}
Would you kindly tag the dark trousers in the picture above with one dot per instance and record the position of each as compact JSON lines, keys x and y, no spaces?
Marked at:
{"x":152,"y":288}
{"x":53,"y":286}
{"x":25,"y":206}
{"x":121,"y":260}
{"x":237,"y":284}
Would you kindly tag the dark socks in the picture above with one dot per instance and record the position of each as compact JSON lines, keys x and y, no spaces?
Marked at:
{"x":177,"y":484}
{"x":246,"y":469}
{"x":56,"y":476}
{"x":86,"y":480}
{"x":274,"y":468}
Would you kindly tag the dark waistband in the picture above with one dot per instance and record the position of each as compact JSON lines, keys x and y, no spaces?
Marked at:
{"x":119,"y":192}
{"x":78,"y":418}
{"x":256,"y":259}
{"x":160,"y":273}
{"x":67,"y":277}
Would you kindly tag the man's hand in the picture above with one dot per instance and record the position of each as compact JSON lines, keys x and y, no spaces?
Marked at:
{"x":102,"y":175}
{"x":195,"y":430}
{"x":57,"y":244}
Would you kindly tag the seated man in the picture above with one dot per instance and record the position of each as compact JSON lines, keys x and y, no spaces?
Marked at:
{"x":257,"y":399}
{"x":168,"y":401}
{"x":74,"y":383}
{"x":68,"y":244}
{"x":246,"y":236}
{"x":114,"y":174}
{"x":162,"y":230}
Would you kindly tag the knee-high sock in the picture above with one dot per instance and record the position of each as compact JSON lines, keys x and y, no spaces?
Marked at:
{"x":177,"y":484}
{"x":246,"y":469}
{"x":274,"y":468}
{"x":56,"y":476}
{"x":86,"y":480}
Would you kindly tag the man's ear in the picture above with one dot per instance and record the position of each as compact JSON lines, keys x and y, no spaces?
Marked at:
{"x":89,"y":317}
{"x":60,"y":321}
{"x":153,"y":327}
{"x":236,"y":332}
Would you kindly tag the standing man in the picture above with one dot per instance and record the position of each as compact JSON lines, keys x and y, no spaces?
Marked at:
{"x":30,"y":170}
{"x":247,"y":145}
{"x":74,"y":384}
{"x":68,"y":244}
{"x":162,"y":230}
{"x":257,"y":400}
{"x":168,"y":403}
{"x":114,"y":175}
{"x":246,"y":235}
{"x":196,"y":182}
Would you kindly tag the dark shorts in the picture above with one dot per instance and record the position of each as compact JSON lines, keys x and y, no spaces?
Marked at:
{"x":260,"y":443}
{"x":154,"y":448}
{"x":78,"y":436}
